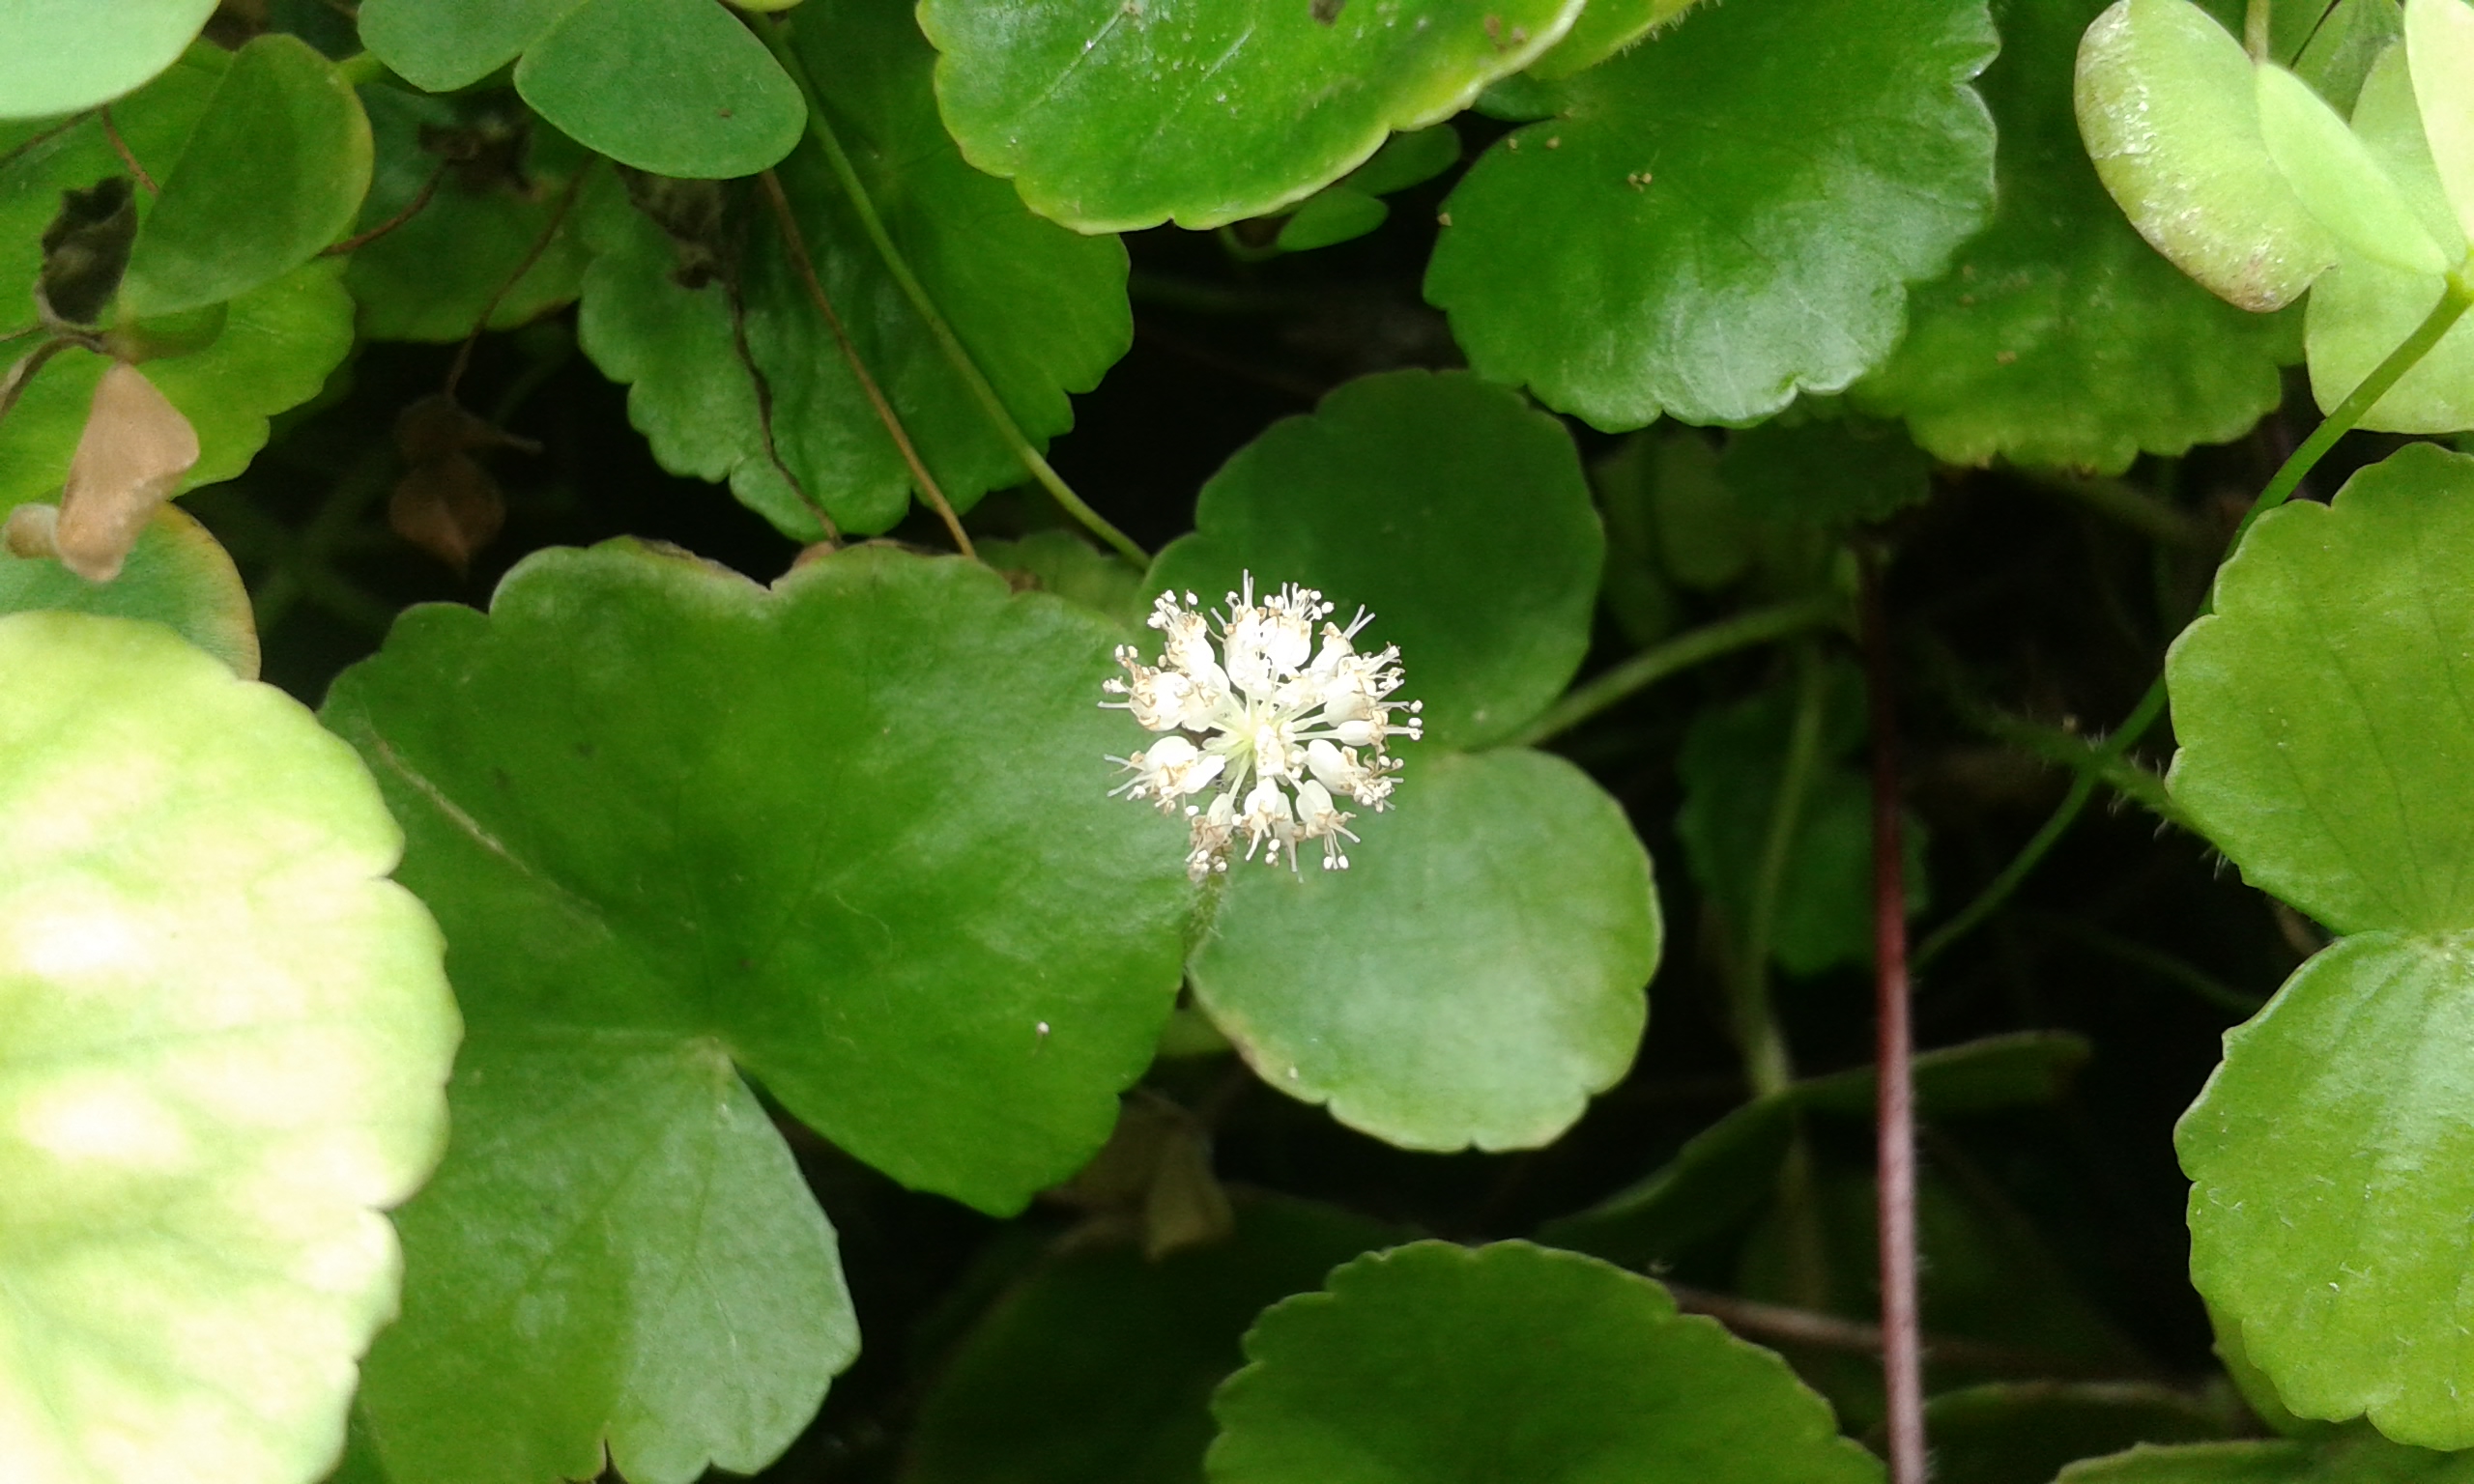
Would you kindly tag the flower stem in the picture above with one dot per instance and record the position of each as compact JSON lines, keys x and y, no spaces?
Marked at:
{"x":1645,"y":669}
{"x":1767,"y":1066}
{"x":2342,"y":419}
{"x":1895,"y":1121}
{"x":955,"y":355}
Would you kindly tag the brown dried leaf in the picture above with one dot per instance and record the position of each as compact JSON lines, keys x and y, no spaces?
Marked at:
{"x":135,"y":448}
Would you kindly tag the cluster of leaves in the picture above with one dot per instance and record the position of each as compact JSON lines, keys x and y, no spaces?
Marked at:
{"x":765,"y":902}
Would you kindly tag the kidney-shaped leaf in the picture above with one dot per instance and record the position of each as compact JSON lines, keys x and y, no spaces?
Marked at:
{"x":1109,"y":115}
{"x":678,"y":1302}
{"x":2327,"y":709}
{"x":2169,"y":107}
{"x":1454,"y":512}
{"x":1473,"y":975}
{"x":58,"y":56}
{"x":1439,"y":1365}
{"x":855,"y":828}
{"x":2332,"y":1166}
{"x":274,"y":171}
{"x":1727,"y":212}
{"x":2060,"y":337}
{"x":223,"y":1036}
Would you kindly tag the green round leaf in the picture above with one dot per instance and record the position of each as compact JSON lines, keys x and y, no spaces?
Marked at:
{"x":1098,"y":1367}
{"x":1407,"y":159}
{"x":274,"y":170}
{"x":1838,"y":471}
{"x":431,"y":277}
{"x":1471,"y":979}
{"x":2338,"y":180}
{"x":1042,"y":310}
{"x":676,"y":87}
{"x":1109,"y":117}
{"x":226,"y":1035}
{"x":278,"y":344}
{"x":855,"y":827}
{"x":1725,"y":215}
{"x":678,"y":1302}
{"x":58,"y":56}
{"x":2361,"y":311}
{"x":2327,"y":709}
{"x":178,"y":576}
{"x":2061,"y":338}
{"x":2170,"y":114}
{"x":1453,"y":511}
{"x":1336,"y":213}
{"x":2328,"y":1159}
{"x":441,"y":46}
{"x":1436,"y":1364}
{"x":2351,"y":1461}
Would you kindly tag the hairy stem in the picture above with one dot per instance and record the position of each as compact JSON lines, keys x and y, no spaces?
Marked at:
{"x":2342,"y":419}
{"x":1645,"y":669}
{"x":1894,"y":1126}
{"x":956,"y":355}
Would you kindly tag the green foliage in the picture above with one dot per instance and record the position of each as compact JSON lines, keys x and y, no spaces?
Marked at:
{"x":177,"y":575}
{"x":1856,"y":180}
{"x":58,"y":56}
{"x":1109,"y":117}
{"x":2352,"y":1461}
{"x":1400,"y":1369}
{"x":226,"y":1035}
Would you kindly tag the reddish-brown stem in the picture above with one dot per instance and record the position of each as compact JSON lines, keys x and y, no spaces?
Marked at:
{"x":421,"y":198}
{"x":796,"y":242}
{"x":120,"y":147}
{"x":1901,"y":1342}
{"x":540,"y":244}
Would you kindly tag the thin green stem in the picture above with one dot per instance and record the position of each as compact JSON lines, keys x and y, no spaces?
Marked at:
{"x":1645,"y":669}
{"x":1767,"y":1066}
{"x":2107,"y":766}
{"x":955,"y":355}
{"x":2343,"y":418}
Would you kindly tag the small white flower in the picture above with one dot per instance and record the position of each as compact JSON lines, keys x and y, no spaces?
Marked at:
{"x":1265,"y":712}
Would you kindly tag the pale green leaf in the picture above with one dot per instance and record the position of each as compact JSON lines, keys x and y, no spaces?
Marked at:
{"x":226,"y":1038}
{"x":1109,"y":116}
{"x":2439,"y":49}
{"x":2170,"y":114}
{"x":177,"y":575}
{"x":58,"y":56}
{"x":2351,"y":1461}
{"x":1725,"y":215}
{"x":2338,"y":179}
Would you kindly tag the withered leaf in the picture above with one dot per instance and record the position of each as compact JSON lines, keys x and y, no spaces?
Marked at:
{"x":135,"y":450}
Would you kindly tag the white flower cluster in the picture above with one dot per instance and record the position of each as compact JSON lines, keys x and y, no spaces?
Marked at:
{"x":1265,"y":713}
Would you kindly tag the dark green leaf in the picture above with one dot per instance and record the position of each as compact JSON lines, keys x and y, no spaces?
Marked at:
{"x":1109,"y":118}
{"x":1097,"y":1368}
{"x":1060,"y":562}
{"x":1472,"y":978}
{"x":1605,"y":28}
{"x":441,"y":46}
{"x":430,"y":277}
{"x":1833,"y":470}
{"x":224,"y":1040}
{"x":618,"y":1252}
{"x":856,"y":827}
{"x":1407,"y":159}
{"x":1336,"y":213}
{"x":58,"y":56}
{"x":1454,"y":512}
{"x":2023,"y":1432}
{"x":676,"y":87}
{"x":1041,"y":309}
{"x":1727,"y":214}
{"x":2061,"y":338}
{"x":274,"y":170}
{"x":1435,"y":1364}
